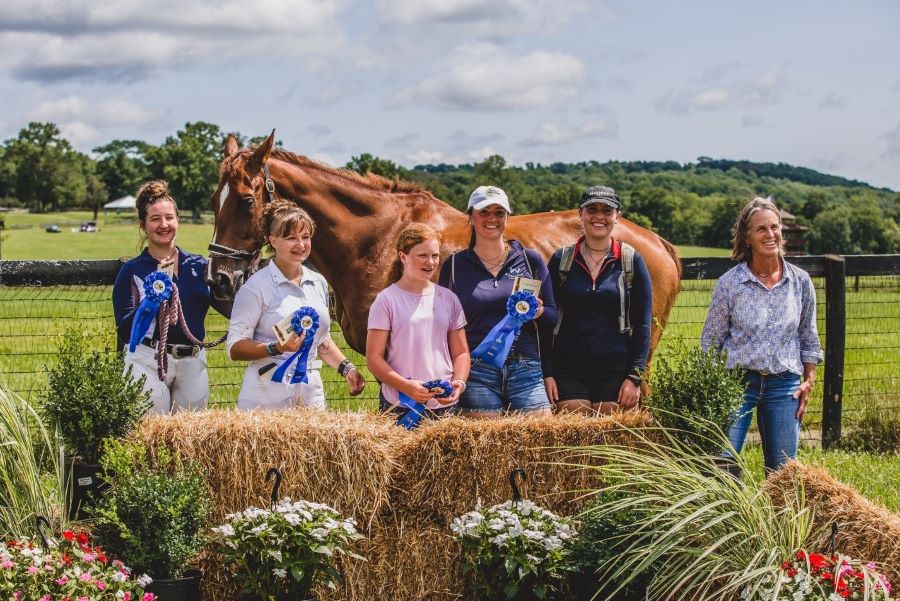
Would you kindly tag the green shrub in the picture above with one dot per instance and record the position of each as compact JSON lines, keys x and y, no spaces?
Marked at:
{"x":689,"y":384}
{"x":877,"y":433}
{"x":91,"y":396}
{"x":154,"y":516}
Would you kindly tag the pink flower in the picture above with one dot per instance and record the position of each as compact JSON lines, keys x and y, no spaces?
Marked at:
{"x":85,"y":577}
{"x":7,"y":564}
{"x":148,"y":597}
{"x":32,"y":570}
{"x":45,"y":598}
{"x":88,"y":557}
{"x":62,"y":580}
{"x":100,"y":585}
{"x":83,"y":599}
{"x":127,"y":596}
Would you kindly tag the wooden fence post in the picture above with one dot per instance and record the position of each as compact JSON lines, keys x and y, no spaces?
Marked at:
{"x":835,"y":338}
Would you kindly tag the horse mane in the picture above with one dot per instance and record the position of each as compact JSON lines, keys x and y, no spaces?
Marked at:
{"x":377,"y":182}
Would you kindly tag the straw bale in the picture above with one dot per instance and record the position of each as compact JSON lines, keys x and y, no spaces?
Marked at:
{"x":867,"y":531}
{"x":343,"y":459}
{"x":452,"y":464}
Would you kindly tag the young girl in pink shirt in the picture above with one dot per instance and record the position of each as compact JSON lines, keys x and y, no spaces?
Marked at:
{"x":417,"y":330}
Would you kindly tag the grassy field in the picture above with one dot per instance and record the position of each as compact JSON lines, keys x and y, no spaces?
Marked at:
{"x":874,"y":476}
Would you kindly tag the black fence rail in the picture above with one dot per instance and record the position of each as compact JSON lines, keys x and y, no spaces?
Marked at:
{"x":858,"y":300}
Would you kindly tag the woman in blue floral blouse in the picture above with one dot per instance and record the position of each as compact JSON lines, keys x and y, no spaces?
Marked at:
{"x":763,"y":315}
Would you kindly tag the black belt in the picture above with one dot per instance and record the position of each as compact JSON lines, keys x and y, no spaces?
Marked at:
{"x":176,"y":350}
{"x":517,"y":356}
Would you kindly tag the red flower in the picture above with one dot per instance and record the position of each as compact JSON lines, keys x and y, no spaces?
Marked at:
{"x":68,"y":535}
{"x":792,"y":572}
{"x":82,"y":538}
{"x":827,"y":576}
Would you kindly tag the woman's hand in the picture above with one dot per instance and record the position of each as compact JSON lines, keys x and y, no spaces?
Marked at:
{"x":540,"y":309}
{"x":552,"y":390}
{"x":417,"y":392}
{"x":629,"y":393}
{"x":458,"y":387}
{"x":355,"y":381}
{"x":292,"y":344}
{"x":802,"y":394}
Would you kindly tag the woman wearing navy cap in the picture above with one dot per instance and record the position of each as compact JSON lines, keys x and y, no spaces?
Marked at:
{"x":483,"y":276}
{"x":603,"y":291}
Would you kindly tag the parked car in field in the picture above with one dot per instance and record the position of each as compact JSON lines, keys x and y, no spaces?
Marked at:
{"x":53,"y":229}
{"x":88,"y":226}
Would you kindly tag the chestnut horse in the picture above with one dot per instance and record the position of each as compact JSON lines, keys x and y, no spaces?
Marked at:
{"x":358,"y":219}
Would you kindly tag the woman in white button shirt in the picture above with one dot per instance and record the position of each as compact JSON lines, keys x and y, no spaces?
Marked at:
{"x":270,"y":295}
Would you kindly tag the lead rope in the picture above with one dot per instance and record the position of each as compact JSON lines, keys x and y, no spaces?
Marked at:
{"x":170,"y":311}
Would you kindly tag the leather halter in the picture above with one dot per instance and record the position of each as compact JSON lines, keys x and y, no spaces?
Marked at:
{"x":221,"y":251}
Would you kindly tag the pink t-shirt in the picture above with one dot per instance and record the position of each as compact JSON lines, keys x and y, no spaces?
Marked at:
{"x":418,"y":325}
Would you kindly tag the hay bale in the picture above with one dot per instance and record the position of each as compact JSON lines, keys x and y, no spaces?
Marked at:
{"x":867,"y":531}
{"x":452,"y":464}
{"x":343,"y":459}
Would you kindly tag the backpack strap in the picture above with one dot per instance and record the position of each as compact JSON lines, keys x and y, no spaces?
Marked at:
{"x":565,"y":264}
{"x":626,"y":279}
{"x":453,"y":272}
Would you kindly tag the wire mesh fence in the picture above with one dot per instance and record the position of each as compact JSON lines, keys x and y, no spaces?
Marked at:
{"x":31,"y":318}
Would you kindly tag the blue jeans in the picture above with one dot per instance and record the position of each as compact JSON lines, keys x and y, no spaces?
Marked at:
{"x":776,"y":416}
{"x":517,"y":386}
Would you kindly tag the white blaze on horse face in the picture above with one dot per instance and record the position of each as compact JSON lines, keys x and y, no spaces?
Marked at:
{"x":222,"y":197}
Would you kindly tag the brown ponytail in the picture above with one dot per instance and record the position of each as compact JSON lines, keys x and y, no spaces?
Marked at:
{"x":412,"y":234}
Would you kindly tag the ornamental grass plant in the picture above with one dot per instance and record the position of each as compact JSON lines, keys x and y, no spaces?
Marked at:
{"x":709,"y":535}
{"x":31,"y":472}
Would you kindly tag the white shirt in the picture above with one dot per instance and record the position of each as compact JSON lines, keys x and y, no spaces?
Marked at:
{"x":265,"y":299}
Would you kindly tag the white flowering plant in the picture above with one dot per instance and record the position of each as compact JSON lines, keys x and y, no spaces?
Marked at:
{"x":71,"y":569}
{"x":284,"y":551}
{"x":820,"y":577}
{"x":514,"y":547}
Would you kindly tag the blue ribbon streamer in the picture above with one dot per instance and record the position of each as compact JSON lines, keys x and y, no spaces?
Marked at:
{"x":157,"y":288}
{"x":305,"y":319}
{"x":415,"y":412}
{"x":521,"y":307}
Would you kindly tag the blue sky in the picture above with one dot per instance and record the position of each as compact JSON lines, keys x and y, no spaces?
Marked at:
{"x":812,"y":83}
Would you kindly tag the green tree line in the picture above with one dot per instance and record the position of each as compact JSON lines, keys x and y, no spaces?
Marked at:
{"x":692,"y":203}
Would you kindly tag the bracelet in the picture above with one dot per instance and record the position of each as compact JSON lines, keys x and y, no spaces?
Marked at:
{"x":272,"y":349}
{"x":462,"y":384}
{"x":344,"y":367}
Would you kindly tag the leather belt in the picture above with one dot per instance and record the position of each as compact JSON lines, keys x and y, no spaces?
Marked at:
{"x":178,"y":351}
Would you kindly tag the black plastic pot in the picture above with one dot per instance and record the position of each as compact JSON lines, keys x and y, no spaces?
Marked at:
{"x":186,"y":588}
{"x":85,"y":484}
{"x":280,"y":597}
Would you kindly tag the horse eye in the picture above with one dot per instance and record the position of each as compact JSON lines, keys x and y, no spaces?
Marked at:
{"x":249,"y":200}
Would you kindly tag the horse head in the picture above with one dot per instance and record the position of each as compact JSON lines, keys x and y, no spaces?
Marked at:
{"x":237,"y":204}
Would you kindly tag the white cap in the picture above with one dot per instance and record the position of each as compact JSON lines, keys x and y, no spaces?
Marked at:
{"x":485,"y":196}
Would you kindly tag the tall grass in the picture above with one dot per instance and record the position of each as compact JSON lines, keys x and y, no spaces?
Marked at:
{"x":31,"y":469}
{"x":707,"y":535}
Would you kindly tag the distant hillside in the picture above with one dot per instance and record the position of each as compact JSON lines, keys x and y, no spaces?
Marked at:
{"x":695,"y":203}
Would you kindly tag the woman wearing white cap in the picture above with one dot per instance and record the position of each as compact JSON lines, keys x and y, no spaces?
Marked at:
{"x":483,"y":276}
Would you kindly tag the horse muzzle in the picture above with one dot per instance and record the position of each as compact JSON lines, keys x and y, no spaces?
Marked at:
{"x":224,"y":284}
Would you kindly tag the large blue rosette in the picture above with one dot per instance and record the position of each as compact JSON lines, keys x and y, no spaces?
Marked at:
{"x":157,"y":288}
{"x":521,"y":307}
{"x":415,"y":410}
{"x":305,"y":319}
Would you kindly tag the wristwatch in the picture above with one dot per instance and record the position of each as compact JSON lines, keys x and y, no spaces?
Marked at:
{"x":635,"y":379}
{"x":272,"y":350}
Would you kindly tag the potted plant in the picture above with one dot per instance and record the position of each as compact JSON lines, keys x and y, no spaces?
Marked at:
{"x":514,"y":550}
{"x":69,"y":569}
{"x":279,"y":554}
{"x":153,"y":517}
{"x":90,"y":397}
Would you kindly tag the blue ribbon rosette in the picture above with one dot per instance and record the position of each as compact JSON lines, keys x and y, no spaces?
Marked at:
{"x":521,"y":307}
{"x":416,"y":411}
{"x":157,"y":288}
{"x":306,"y":320}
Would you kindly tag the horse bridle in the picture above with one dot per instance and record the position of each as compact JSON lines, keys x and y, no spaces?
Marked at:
{"x":220,"y":251}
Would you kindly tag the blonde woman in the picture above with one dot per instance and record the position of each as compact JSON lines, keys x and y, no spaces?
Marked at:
{"x":272,"y":294}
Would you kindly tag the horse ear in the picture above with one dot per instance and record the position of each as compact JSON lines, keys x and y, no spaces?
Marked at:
{"x":231,"y":145}
{"x":261,"y":154}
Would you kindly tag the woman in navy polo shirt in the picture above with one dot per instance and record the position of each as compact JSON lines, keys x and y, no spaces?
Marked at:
{"x":187,"y":383}
{"x":603,"y":339}
{"x":482,"y":276}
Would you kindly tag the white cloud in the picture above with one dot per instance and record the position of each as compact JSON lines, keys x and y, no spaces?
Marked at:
{"x":892,"y":139}
{"x":551,"y":134}
{"x":486,"y":77}
{"x":715,"y":98}
{"x":833,"y":101}
{"x":110,"y":112}
{"x":425,"y":157}
{"x":402,"y":141}
{"x":80,"y":134}
{"x":50,"y":40}
{"x":748,"y":121}
{"x":484,"y":15}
